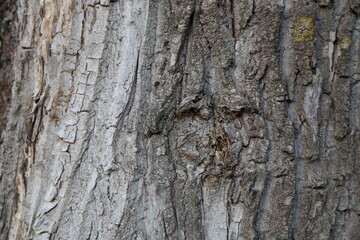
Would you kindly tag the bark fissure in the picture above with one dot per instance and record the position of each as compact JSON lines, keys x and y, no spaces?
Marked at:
{"x":353,"y":110}
{"x":265,"y":193}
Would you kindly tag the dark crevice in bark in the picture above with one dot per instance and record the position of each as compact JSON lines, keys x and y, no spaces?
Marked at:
{"x":228,"y":209}
{"x":353,"y":107}
{"x":9,"y":41}
{"x":297,"y":198}
{"x":173,"y":201}
{"x":233,"y":30}
{"x":166,"y":237}
{"x":330,"y":164}
{"x":129,"y":224}
{"x":184,"y":47}
{"x":82,"y":35}
{"x":339,"y":182}
{"x":208,"y":75}
{"x":292,"y":113}
{"x":259,"y":218}
{"x":185,"y":218}
{"x":282,"y":62}
{"x":326,"y":113}
{"x":283,"y":32}
{"x":202,"y":233}
{"x":251,"y":17}
{"x":171,"y":162}
{"x":129,"y":104}
{"x":147,"y":53}
{"x":320,"y":66}
{"x":164,"y":118}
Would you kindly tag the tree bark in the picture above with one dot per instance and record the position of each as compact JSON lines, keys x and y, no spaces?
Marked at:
{"x":212,"y":119}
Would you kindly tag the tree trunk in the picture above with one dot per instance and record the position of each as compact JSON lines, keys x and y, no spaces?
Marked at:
{"x":212,"y":119}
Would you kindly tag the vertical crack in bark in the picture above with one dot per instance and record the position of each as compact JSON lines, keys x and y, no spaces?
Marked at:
{"x":125,"y":112}
{"x":259,"y":218}
{"x":353,"y":107}
{"x":184,"y":47}
{"x":252,"y":16}
{"x":284,"y":65}
{"x":208,"y":78}
{"x":321,"y":67}
{"x":130,"y":225}
{"x":298,"y":173}
{"x":228,"y":209}
{"x":202,"y":230}
{"x":298,"y":166}
{"x":148,"y":51}
{"x":330,"y":164}
{"x":338,"y":180}
{"x":232,"y":7}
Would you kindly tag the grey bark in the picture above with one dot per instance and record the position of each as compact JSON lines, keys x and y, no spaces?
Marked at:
{"x":212,"y":119}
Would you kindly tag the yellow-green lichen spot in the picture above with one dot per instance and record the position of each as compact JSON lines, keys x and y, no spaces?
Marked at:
{"x":345,"y":43}
{"x":230,"y":86}
{"x":303,"y":29}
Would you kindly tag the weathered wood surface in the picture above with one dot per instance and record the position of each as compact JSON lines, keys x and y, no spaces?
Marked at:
{"x":212,"y":119}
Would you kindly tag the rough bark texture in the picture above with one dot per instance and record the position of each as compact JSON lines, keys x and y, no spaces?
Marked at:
{"x":172,"y":119}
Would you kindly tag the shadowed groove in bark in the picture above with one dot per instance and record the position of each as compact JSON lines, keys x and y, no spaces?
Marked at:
{"x":9,"y":41}
{"x":144,"y":79}
{"x":265,"y":193}
{"x":284,"y":38}
{"x":129,"y":103}
{"x":184,"y":47}
{"x":353,"y":111}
